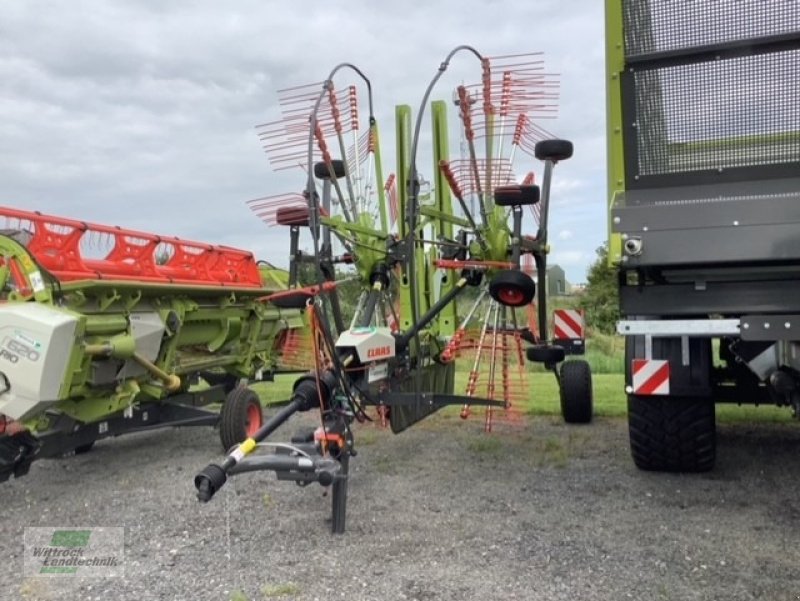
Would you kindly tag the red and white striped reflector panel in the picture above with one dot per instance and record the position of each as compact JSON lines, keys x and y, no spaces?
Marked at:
{"x":568,"y":324}
{"x":650,"y":376}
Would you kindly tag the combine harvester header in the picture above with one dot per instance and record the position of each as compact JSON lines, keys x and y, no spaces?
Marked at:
{"x":102,"y":331}
{"x":57,"y":243}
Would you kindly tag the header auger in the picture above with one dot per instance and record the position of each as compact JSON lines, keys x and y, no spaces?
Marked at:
{"x":103,"y":330}
{"x":415,"y":253}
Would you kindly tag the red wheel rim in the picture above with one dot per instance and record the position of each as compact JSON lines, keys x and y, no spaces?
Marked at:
{"x":253,"y":420}
{"x":510,"y":296}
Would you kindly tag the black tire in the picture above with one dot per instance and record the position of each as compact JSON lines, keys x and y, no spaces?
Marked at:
{"x":512,"y":288}
{"x":292,"y":216}
{"x":549,"y":355}
{"x":509,"y":196}
{"x":236,"y":417}
{"x":577,"y":399}
{"x":293,"y":301}
{"x":322,"y":171}
{"x":554,"y":150}
{"x":672,"y":434}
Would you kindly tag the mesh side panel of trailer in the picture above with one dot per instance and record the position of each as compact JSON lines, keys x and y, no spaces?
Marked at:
{"x":666,"y":25}
{"x":711,"y":90}
{"x":730,"y":113}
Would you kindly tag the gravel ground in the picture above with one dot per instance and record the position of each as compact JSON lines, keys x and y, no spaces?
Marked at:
{"x":544,"y":511}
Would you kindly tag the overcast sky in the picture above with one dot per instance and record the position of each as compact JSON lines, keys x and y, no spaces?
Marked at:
{"x":142,"y":114}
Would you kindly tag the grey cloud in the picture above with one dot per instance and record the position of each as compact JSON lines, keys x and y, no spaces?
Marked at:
{"x":141,"y":113}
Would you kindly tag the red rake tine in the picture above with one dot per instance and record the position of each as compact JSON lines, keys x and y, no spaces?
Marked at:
{"x":266,"y":208}
{"x":461,"y":331}
{"x":339,"y":133}
{"x":326,"y":158}
{"x":362,"y":147}
{"x":474,"y":373}
{"x":292,"y":89}
{"x":352,"y":107}
{"x":465,"y":109}
{"x":391,"y":191}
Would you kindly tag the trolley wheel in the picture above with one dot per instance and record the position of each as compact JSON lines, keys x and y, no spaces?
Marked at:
{"x":241,"y":416}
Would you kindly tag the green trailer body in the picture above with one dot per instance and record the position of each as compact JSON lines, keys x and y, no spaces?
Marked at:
{"x":91,"y":347}
{"x":704,"y":209}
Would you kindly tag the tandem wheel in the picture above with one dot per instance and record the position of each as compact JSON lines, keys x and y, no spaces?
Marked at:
{"x":241,"y":416}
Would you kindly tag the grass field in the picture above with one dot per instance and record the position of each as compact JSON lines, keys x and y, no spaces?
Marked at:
{"x":609,"y":398}
{"x":606,"y":356}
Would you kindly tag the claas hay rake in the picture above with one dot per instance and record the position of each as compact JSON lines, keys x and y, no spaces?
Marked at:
{"x":104,"y":330}
{"x":444,"y":267}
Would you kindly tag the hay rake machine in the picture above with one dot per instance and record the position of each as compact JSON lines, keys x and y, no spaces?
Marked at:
{"x":103,"y":330}
{"x":420,"y":252}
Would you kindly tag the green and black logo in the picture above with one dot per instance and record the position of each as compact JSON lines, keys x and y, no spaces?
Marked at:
{"x":67,"y":552}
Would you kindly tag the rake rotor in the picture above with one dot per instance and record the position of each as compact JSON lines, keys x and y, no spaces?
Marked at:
{"x":414,"y":249}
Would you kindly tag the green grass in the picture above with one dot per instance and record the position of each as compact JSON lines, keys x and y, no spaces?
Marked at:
{"x":279,"y":390}
{"x":605,"y":355}
{"x":750,"y":413}
{"x":485,"y":445}
{"x":609,"y":397}
{"x":270,"y":591}
{"x":604,"y":364}
{"x":599,"y":362}
{"x":552,"y":453}
{"x":287,"y":589}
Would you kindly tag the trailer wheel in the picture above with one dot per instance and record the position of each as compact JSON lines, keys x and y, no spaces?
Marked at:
{"x":577,"y":399}
{"x":241,"y":416}
{"x":672,"y":434}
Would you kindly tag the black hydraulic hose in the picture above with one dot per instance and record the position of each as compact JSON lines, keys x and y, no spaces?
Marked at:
{"x":517,"y":234}
{"x":544,"y":203}
{"x":310,"y":186}
{"x":541,"y":296}
{"x":336,"y":308}
{"x":369,"y":307}
{"x":541,"y":257}
{"x":401,"y":342}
